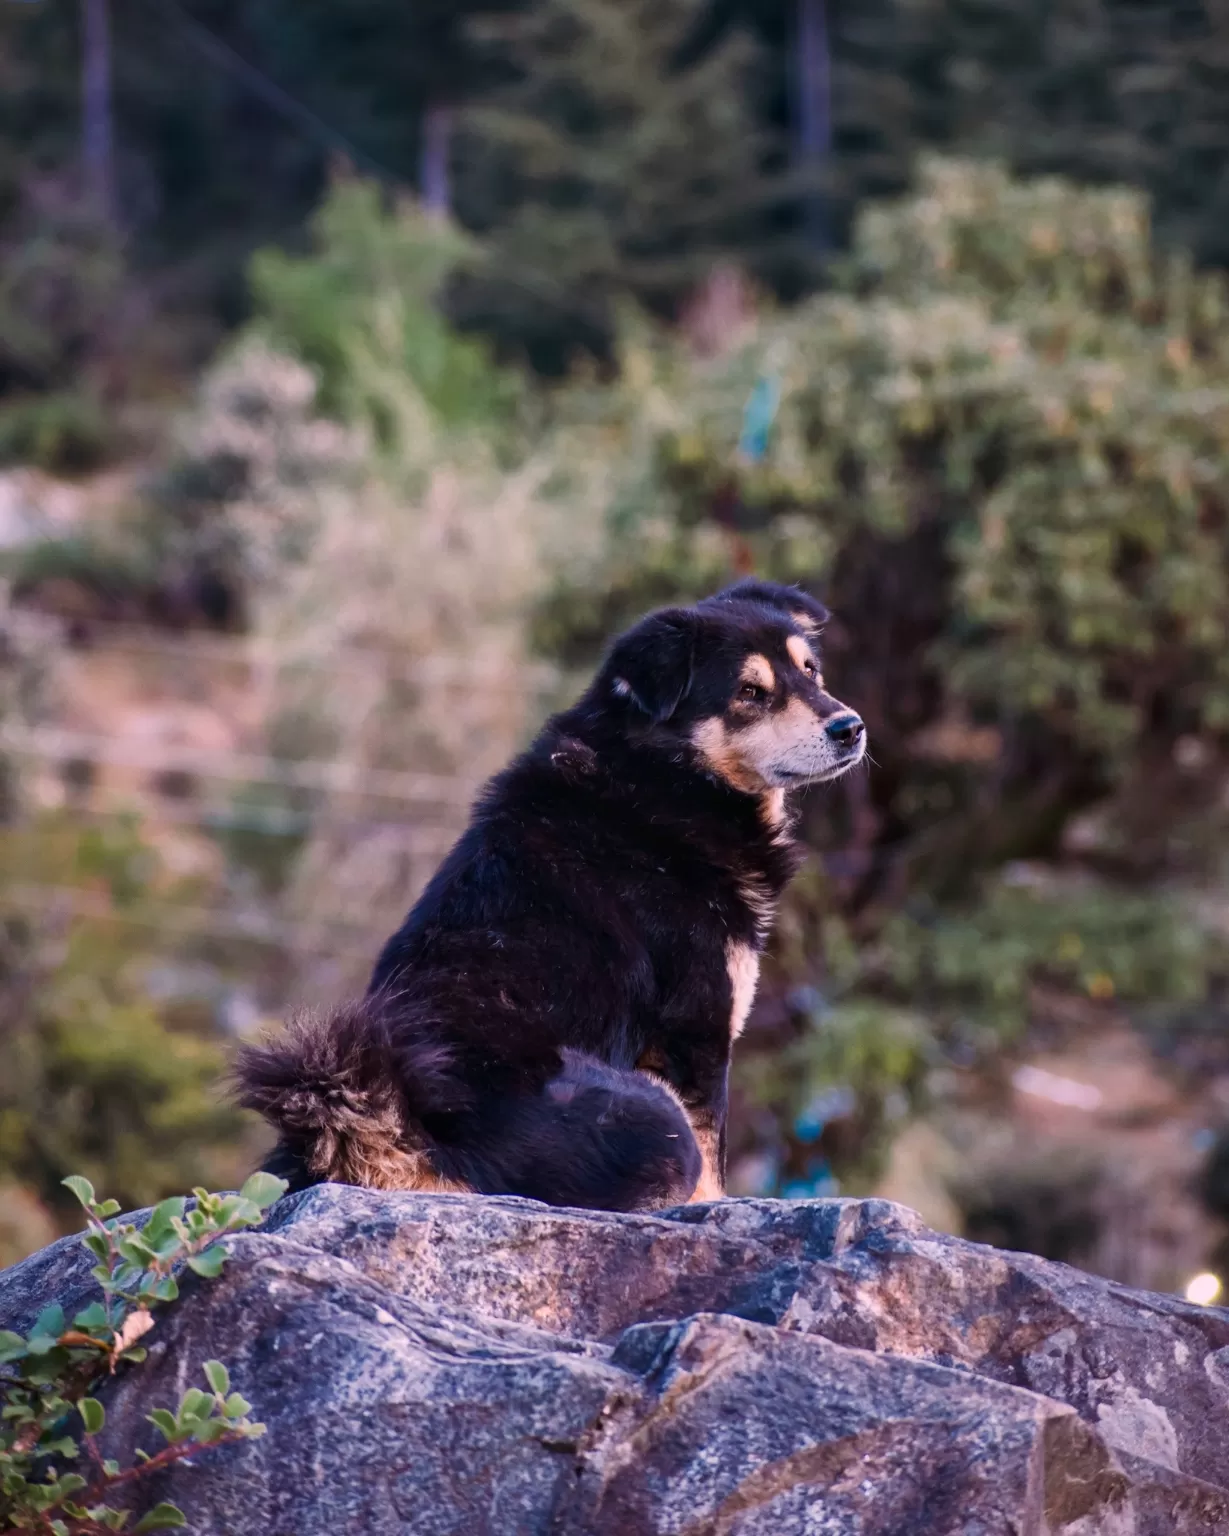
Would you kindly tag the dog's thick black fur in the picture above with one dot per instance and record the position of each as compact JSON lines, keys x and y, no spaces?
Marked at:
{"x":555,"y":1016}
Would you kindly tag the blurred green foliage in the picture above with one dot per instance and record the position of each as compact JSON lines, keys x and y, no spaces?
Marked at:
{"x":871,"y":1016}
{"x":362,"y":311}
{"x":228,"y":114}
{"x":96,"y":1074}
{"x":1001,"y":454}
{"x":999,"y":450}
{"x":62,"y":311}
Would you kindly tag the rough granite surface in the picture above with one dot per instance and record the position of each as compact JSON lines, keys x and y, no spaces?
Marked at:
{"x":448,"y":1365}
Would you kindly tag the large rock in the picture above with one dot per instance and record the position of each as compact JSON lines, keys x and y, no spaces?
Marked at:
{"x":454,"y":1366}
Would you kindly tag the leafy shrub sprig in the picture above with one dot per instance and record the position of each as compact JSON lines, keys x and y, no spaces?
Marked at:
{"x":54,"y":1479}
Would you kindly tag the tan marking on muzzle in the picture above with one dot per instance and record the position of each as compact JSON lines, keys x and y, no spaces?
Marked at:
{"x":745,"y":758}
{"x":778,"y":737}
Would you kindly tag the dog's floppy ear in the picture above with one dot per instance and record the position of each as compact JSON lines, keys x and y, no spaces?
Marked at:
{"x":652,"y":664}
{"x":805,"y":610}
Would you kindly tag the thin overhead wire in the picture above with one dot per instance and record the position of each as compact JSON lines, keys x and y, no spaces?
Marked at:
{"x":178,"y":919}
{"x":275,"y":96}
{"x":259,"y":652}
{"x":51,"y":744}
{"x":268,"y":821}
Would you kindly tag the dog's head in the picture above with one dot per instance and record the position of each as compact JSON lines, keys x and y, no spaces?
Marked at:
{"x":737,"y":681}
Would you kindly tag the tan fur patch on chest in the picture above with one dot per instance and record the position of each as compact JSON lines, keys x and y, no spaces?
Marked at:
{"x":772,"y":810}
{"x":743,"y":965}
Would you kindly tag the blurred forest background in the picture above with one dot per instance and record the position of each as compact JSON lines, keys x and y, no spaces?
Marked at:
{"x":364,"y":365}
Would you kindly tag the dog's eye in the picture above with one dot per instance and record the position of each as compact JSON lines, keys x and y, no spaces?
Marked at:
{"x":811,"y":670}
{"x":752,"y":693}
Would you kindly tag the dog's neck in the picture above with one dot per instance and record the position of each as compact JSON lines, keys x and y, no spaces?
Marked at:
{"x":666,"y":783}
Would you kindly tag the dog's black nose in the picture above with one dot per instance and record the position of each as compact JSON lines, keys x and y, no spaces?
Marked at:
{"x":845,"y":731}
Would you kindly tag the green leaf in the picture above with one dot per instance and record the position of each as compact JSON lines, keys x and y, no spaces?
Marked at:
{"x":162,"y":1219}
{"x":136,"y":1250}
{"x":163,"y":1517}
{"x":46,"y":1364}
{"x":167,"y":1289}
{"x":93,"y":1316}
{"x":208,"y":1431}
{"x":107,"y":1208}
{"x":164,"y":1421}
{"x":193,"y":1403}
{"x":209,"y":1264}
{"x":50,"y":1323}
{"x":12,"y":1345}
{"x":236,"y":1406}
{"x":229,"y":1205}
{"x":80,"y":1187}
{"x":262,"y":1189}
{"x":217,"y":1376}
{"x":93,"y":1414}
{"x":96,"y":1242}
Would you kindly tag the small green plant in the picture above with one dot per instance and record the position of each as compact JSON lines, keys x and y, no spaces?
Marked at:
{"x":51,"y":1419}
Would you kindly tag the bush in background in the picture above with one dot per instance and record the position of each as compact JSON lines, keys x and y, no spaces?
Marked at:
{"x":361,"y":311}
{"x":373,"y":483}
{"x":95,"y":1074}
{"x":1001,"y":453}
{"x":71,"y":344}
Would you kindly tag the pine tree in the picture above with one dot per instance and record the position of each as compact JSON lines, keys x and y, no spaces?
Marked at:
{"x":1133,"y":91}
{"x":620,"y":158}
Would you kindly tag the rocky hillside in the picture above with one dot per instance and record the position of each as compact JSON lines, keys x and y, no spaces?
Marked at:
{"x":457,"y":1367}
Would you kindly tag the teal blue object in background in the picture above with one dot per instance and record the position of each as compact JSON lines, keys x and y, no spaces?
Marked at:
{"x":758,"y":417}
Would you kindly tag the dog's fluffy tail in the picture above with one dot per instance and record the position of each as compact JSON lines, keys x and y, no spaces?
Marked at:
{"x":345,"y":1093}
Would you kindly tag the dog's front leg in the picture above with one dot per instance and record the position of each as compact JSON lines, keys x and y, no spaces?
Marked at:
{"x":692,"y":1059}
{"x":708,"y":1123}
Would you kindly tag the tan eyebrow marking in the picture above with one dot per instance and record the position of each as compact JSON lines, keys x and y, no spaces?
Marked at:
{"x":801,"y":653}
{"x":804,"y":621}
{"x":757,"y":669}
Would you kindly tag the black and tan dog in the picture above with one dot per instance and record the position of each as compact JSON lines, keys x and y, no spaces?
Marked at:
{"x":556,"y":1014}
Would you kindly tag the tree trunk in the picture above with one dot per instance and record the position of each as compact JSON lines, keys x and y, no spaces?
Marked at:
{"x":433,"y":168}
{"x":814,"y":110}
{"x":97,"y":137}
